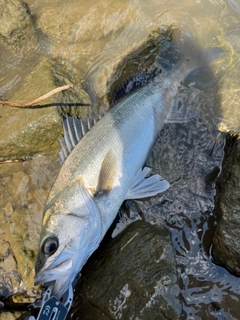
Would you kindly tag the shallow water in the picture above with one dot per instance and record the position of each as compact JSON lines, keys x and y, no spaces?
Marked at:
{"x":89,"y":39}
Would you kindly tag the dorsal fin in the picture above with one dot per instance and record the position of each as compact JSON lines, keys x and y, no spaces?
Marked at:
{"x":74,"y":129}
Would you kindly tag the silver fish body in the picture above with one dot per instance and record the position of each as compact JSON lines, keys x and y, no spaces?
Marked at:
{"x":96,"y":178}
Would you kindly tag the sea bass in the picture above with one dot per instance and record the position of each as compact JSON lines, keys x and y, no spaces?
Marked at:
{"x":103,"y":169}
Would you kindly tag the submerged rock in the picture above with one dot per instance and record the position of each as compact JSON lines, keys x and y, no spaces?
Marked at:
{"x":23,"y":191}
{"x":26,"y":132}
{"x":14,"y":16}
{"x":226,"y":241}
{"x":134,"y":276}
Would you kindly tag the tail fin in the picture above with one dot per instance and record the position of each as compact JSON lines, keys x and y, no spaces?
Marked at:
{"x":171,"y":59}
{"x":191,"y":71}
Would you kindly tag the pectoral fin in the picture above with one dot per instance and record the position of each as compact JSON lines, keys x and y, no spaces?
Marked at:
{"x":142,"y":187}
{"x":107,"y":173}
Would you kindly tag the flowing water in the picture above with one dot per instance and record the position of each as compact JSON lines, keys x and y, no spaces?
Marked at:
{"x":89,"y":38}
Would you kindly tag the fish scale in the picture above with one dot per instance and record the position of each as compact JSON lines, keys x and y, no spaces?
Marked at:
{"x":118,"y":128}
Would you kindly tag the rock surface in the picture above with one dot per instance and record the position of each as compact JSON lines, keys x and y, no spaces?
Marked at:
{"x":14,"y":17}
{"x":226,"y":241}
{"x":133,"y":277}
{"x":27,"y":132}
{"x":37,"y":130}
{"x":23,"y":191}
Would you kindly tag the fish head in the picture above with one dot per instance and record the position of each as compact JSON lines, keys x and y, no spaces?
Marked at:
{"x":71,"y":231}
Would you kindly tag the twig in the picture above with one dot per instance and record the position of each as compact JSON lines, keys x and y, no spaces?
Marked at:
{"x":45,"y":96}
{"x":11,"y":161}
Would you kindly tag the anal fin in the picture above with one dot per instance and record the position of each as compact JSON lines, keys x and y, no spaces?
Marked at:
{"x":143,"y":186}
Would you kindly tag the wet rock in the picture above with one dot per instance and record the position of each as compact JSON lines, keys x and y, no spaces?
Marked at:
{"x":26,"y":132}
{"x":10,"y":278}
{"x":36,"y":130}
{"x":76,"y":100}
{"x":230,"y":96}
{"x":9,"y":315}
{"x":23,"y":191}
{"x":128,"y":74}
{"x":226,"y":241}
{"x":14,"y":17}
{"x":133,"y":277}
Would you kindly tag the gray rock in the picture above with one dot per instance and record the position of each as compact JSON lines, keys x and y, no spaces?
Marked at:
{"x":133,"y":277}
{"x":226,"y":241}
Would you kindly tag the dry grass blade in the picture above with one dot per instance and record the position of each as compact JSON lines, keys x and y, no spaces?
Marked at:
{"x":31,"y":103}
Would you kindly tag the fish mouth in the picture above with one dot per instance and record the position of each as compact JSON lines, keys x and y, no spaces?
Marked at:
{"x":55,"y":272}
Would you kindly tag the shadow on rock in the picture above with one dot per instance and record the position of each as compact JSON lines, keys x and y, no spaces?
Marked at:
{"x":226,"y":241}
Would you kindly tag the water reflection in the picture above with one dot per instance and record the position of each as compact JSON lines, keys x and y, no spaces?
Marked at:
{"x":234,"y":5}
{"x":193,"y":151}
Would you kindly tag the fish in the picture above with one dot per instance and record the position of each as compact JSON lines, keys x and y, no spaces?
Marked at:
{"x":103,"y":166}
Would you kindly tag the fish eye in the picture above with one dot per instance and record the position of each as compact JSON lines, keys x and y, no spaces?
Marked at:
{"x":50,"y":246}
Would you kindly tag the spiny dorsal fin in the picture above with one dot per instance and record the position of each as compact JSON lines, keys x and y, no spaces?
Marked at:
{"x":107,"y":173}
{"x":74,"y":129}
